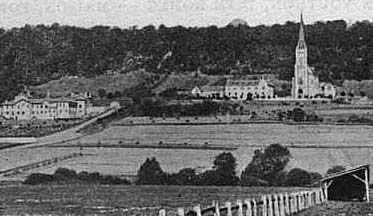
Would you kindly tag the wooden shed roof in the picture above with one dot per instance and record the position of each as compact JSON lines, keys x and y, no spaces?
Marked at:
{"x":345,"y":172}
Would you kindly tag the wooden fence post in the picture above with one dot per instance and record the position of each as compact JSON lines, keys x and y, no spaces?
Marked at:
{"x":180,"y":212}
{"x":264,"y":209}
{"x":293,"y":203}
{"x":229,"y":208}
{"x":217,"y":209}
{"x":287,"y":204}
{"x":162,"y":212}
{"x":249,"y":208}
{"x":325,"y":193}
{"x":282,"y":205}
{"x":322,"y":195}
{"x":309,"y":199}
{"x":270,"y":205}
{"x":240,"y":208}
{"x":197,"y":209}
{"x":275,"y":206}
{"x":317,"y":197}
{"x":255,"y":208}
{"x":300,"y":201}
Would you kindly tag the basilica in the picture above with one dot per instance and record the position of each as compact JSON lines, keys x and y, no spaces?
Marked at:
{"x":305,"y":84}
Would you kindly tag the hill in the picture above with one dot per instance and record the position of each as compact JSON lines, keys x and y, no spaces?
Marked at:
{"x":187,"y":81}
{"x":34,"y":55}
{"x":112,"y":83}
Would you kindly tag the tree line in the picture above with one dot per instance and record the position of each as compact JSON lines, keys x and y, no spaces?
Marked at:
{"x":267,"y":168}
{"x":37,"y":54}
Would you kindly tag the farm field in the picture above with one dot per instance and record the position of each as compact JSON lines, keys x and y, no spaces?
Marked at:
{"x":313,"y":147}
{"x":117,"y":200}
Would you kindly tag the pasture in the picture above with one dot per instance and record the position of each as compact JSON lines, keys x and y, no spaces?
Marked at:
{"x":313,"y":147}
{"x":117,"y":200}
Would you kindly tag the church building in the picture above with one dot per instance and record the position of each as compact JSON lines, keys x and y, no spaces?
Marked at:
{"x":305,"y":84}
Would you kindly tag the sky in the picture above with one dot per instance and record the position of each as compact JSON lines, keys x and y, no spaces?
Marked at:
{"x":127,"y":13}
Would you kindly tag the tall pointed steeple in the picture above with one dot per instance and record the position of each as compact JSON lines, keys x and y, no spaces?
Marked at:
{"x":301,"y":40}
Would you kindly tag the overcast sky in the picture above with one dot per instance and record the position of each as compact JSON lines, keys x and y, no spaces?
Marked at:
{"x":126,"y":13}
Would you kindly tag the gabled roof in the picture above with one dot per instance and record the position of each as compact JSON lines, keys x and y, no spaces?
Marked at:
{"x":212,"y":88}
{"x":345,"y":172}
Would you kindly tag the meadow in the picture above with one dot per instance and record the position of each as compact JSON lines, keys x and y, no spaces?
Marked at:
{"x":313,"y":147}
{"x":117,"y":200}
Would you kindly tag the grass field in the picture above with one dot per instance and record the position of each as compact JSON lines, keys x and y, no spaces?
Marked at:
{"x":117,"y":200}
{"x":313,"y":147}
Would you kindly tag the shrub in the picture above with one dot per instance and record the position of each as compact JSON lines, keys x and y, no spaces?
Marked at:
{"x":267,"y":164}
{"x":151,"y":173}
{"x":335,"y":169}
{"x":38,"y":178}
{"x":298,"y":177}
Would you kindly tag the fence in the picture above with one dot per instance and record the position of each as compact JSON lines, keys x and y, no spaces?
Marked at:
{"x":281,"y":204}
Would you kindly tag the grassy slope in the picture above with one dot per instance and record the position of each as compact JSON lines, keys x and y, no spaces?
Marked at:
{"x":65,"y":85}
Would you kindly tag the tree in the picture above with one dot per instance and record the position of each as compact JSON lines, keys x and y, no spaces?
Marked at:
{"x":185,"y":176}
{"x":266,"y":164}
{"x":151,"y":173}
{"x":102,"y":93}
{"x":225,"y":169}
{"x":335,"y":169}
{"x":38,"y":178}
{"x":298,"y":177}
{"x":298,"y":115}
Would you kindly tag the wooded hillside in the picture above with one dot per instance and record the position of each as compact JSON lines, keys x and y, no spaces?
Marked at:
{"x":37,"y":54}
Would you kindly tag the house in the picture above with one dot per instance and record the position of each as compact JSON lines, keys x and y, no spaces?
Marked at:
{"x":328,"y":90}
{"x":23,"y":108}
{"x":212,"y":92}
{"x":248,"y":88}
{"x":196,"y":92}
{"x":348,"y":185}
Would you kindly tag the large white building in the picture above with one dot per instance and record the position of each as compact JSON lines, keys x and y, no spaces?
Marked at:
{"x":247,"y":88}
{"x":24,"y":107}
{"x":305,"y":84}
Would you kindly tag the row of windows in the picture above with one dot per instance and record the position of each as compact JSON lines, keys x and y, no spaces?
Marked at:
{"x":34,"y":106}
{"x":34,"y":112}
{"x":243,"y":88}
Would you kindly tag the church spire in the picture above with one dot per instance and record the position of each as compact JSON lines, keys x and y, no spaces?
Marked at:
{"x":302,"y":40}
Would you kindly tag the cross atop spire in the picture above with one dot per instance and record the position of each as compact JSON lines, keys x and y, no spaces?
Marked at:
{"x":301,"y":40}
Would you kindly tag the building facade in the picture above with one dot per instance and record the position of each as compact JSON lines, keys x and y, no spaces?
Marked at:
{"x":248,"y":89}
{"x":24,"y":107}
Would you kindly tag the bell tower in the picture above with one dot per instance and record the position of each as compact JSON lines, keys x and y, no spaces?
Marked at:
{"x":300,"y":80}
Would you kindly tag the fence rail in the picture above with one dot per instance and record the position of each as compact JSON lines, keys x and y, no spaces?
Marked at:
{"x":280,"y":204}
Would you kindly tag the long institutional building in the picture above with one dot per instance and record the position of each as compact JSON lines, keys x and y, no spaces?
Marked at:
{"x":24,"y":107}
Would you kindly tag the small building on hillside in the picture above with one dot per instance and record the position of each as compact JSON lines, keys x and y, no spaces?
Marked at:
{"x":247,"y":88}
{"x":348,"y":185}
{"x":211,"y":92}
{"x":328,"y":90}
{"x":196,"y":91}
